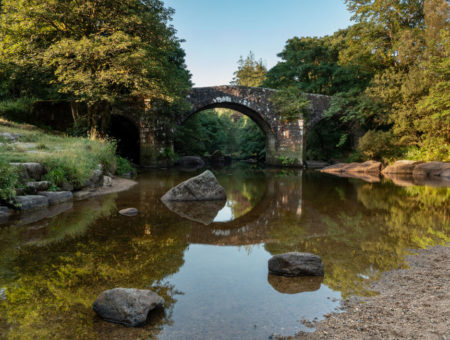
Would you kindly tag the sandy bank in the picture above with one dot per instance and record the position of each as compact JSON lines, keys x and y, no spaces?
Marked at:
{"x":413,"y":303}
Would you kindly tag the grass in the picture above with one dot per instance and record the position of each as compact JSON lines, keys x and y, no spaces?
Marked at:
{"x":67,"y":159}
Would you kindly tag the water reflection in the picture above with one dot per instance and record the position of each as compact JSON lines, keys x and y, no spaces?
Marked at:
{"x":213,"y":277}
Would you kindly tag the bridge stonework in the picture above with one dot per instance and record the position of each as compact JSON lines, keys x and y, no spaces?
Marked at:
{"x":285,"y":140}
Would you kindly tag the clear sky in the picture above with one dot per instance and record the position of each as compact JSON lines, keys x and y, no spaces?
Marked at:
{"x":218,"y":32}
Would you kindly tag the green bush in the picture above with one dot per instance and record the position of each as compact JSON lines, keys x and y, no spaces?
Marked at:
{"x":123,"y":166}
{"x":377,"y":145}
{"x":8,"y":182}
{"x":18,"y":110}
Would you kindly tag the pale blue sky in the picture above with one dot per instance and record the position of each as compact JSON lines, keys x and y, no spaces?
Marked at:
{"x":218,"y":32}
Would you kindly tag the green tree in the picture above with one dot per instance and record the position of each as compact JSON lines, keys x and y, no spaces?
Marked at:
{"x":250,"y":72}
{"x":96,"y":52}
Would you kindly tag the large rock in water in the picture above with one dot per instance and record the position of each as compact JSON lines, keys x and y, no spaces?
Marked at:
{"x":203,"y":187}
{"x":401,"y":167}
{"x":296,"y":264}
{"x":127,"y":306}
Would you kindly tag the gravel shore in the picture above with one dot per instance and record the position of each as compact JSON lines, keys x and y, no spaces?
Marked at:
{"x":413,"y":303}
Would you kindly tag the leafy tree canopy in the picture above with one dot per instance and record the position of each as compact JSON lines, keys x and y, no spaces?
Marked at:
{"x":94,"y":51}
{"x":250,"y":72}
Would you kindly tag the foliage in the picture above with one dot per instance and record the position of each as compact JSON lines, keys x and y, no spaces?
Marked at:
{"x":16,"y":109}
{"x":97,"y":52}
{"x":387,"y":72}
{"x":68,"y":159}
{"x":123,"y":166}
{"x":250,"y":72}
{"x":224,"y":130}
{"x":376,"y":145}
{"x":291,"y":103}
{"x":8,"y":181}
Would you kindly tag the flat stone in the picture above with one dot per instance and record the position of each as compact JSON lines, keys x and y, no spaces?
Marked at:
{"x":34,"y":187}
{"x":431,"y":169}
{"x":82,"y":194}
{"x":55,"y":197}
{"x":30,"y":170}
{"x":127,"y":306}
{"x":129,"y":212}
{"x":9,"y":137}
{"x":296,"y":264}
{"x":402,"y":167}
{"x":372,"y":167}
{"x":203,"y":187}
{"x":31,"y":202}
{"x":316,"y":164}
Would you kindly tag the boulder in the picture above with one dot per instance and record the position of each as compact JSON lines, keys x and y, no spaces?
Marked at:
{"x":372,"y":167}
{"x":129,"y":212}
{"x":402,"y":167}
{"x":30,"y":170}
{"x":296,"y":264}
{"x":31,"y":202}
{"x":55,"y":197}
{"x":96,"y":179}
{"x":203,"y":187}
{"x":431,"y":169}
{"x":34,"y":187}
{"x":107,"y":181}
{"x":191,"y":162}
{"x":127,"y":306}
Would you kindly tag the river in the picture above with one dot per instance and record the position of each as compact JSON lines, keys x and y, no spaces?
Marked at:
{"x":209,"y":261}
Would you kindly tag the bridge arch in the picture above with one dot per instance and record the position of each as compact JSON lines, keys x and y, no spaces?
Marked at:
{"x":284,"y":139}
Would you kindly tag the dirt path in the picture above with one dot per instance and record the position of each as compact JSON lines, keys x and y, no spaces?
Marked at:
{"x":413,"y":303}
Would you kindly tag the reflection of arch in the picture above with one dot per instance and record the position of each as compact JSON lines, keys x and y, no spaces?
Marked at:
{"x":253,"y":228}
{"x":126,"y":132}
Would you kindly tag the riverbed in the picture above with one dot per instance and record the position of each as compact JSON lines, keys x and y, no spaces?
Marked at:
{"x":209,"y":261}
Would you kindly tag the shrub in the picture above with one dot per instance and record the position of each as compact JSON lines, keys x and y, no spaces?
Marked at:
{"x":123,"y":166}
{"x":18,"y":110}
{"x":376,"y":145}
{"x":8,"y":182}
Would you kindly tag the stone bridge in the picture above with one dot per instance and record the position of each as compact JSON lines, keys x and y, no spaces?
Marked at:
{"x":285,"y":140}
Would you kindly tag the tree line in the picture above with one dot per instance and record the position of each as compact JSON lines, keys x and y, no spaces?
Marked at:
{"x":388,"y":73}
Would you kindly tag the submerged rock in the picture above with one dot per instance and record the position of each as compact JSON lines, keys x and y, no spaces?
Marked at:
{"x":129,"y":212}
{"x":203,"y":187}
{"x":296,"y":264}
{"x":127,"y":306}
{"x":200,"y":212}
{"x":191,"y":162}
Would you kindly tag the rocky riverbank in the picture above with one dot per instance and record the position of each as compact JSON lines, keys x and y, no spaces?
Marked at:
{"x":402,"y":172}
{"x":413,"y":303}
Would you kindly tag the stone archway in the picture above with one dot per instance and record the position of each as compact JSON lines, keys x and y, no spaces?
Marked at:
{"x":284,"y":139}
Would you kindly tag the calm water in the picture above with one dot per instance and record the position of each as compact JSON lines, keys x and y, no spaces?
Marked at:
{"x":209,"y":261}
